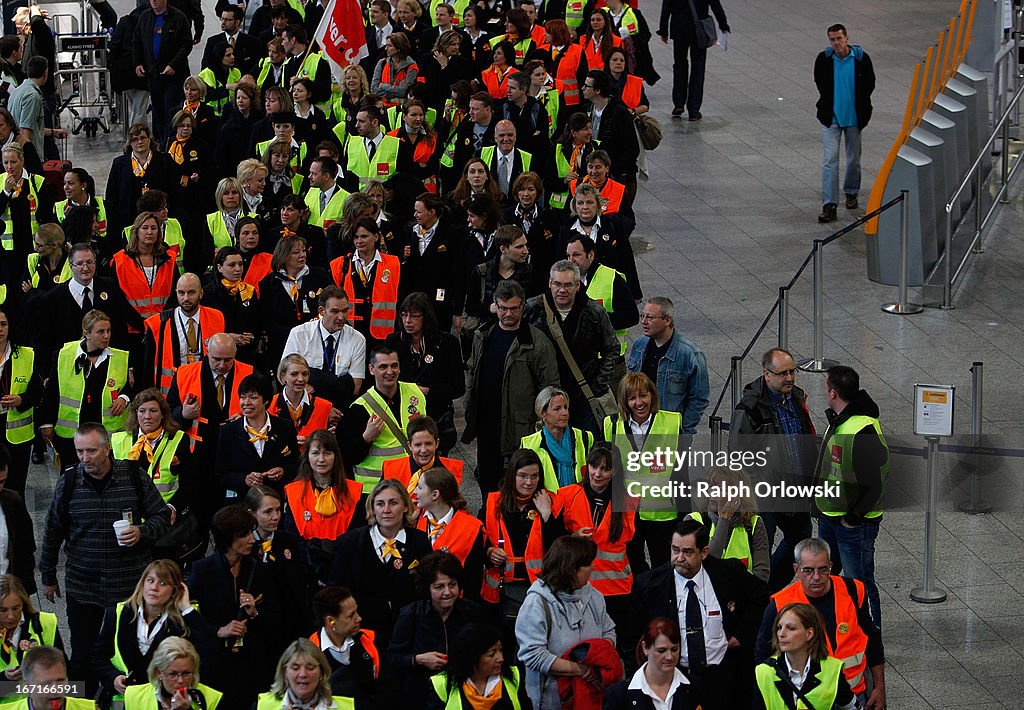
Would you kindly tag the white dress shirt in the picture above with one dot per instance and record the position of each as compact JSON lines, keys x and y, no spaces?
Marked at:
{"x":265,"y":429}
{"x":640,"y":430}
{"x":144,"y":632}
{"x":359,"y":265}
{"x":307,"y":340}
{"x":342,"y":654}
{"x":78,"y":291}
{"x":378,"y":541}
{"x":181,"y":324}
{"x":715,"y":641}
{"x":639,"y":682}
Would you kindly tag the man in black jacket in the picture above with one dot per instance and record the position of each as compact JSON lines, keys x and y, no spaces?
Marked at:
{"x":160,"y":52}
{"x":845,"y":79}
{"x":677,"y":23}
{"x":613,"y":128}
{"x":248,"y":49}
{"x":719,"y":606}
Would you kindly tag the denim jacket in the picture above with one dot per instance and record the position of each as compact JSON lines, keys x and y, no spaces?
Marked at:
{"x":682,"y":378}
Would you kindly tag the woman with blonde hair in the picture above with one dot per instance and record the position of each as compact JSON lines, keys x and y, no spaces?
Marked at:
{"x":161,"y":605}
{"x":146,"y":270}
{"x":375,"y":561}
{"x":21,"y":626}
{"x":220,"y":224}
{"x":562,"y":448}
{"x":195,"y":104}
{"x":640,"y":427}
{"x":302,"y":680}
{"x":736,"y":530}
{"x":354,"y":88}
{"x":308,"y":412}
{"x":173,"y":681}
{"x":23,"y":202}
{"x":48,"y":266}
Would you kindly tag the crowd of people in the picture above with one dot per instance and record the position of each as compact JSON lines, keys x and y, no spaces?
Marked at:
{"x":247,"y":357}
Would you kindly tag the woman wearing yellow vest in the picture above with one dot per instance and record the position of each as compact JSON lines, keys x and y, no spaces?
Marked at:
{"x":80,"y":191}
{"x":221,"y":78}
{"x":302,"y":680}
{"x":24,"y":203}
{"x":21,"y":627}
{"x":48,"y":266}
{"x":20,"y":390}
{"x":641,"y":427}
{"x":152,"y":437}
{"x":220,"y":225}
{"x":132,"y":630}
{"x":562,"y":449}
{"x":173,"y":681}
{"x":735,"y":529}
{"x":477,"y":674}
{"x":801,"y":673}
{"x":88,"y":382}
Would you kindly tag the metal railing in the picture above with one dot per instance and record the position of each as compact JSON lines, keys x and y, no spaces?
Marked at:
{"x":818,"y":363}
{"x":1001,"y":129}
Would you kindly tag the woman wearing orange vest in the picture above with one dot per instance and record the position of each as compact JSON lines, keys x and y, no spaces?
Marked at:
{"x":145,"y":269}
{"x":396,"y":72}
{"x":370,"y":280}
{"x":423,"y":441}
{"x":322,"y":501}
{"x":597,"y":44}
{"x":449,"y":527}
{"x":496,"y":76}
{"x":308,"y":412}
{"x":600,"y":509}
{"x":256,"y":264}
{"x":613,"y":193}
{"x":566,"y":58}
{"x":521,"y":520}
{"x":629,"y":88}
{"x":417,"y":145}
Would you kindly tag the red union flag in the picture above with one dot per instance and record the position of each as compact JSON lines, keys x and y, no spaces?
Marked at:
{"x":340,"y":34}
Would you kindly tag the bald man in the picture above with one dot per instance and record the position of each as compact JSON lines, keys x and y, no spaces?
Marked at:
{"x":177,"y":336}
{"x":504,"y":161}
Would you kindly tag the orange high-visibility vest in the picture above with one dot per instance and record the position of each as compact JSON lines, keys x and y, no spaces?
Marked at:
{"x":401,"y":470}
{"x":631,"y":91}
{"x":384,"y":294}
{"x":364,"y":638}
{"x":612,"y":574}
{"x":612,"y":194}
{"x":146,"y":299}
{"x":317,"y":420}
{"x":458,"y":536}
{"x":312,"y":525}
{"x":190,"y":382}
{"x":422,"y":152}
{"x":497,"y":535}
{"x":385,"y":78}
{"x":851,"y":639}
{"x":211,"y":322}
{"x":497,"y":86}
{"x":259,"y":267}
{"x":594,"y":58}
{"x":566,"y":66}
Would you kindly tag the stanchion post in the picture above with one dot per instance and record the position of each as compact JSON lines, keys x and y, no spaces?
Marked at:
{"x":947,"y":260}
{"x":716,"y":433}
{"x":974,"y":505}
{"x":783,"y":318}
{"x":929,"y":592}
{"x":1004,"y":161}
{"x":901,"y":306}
{"x":736,"y":382}
{"x":818,"y":363}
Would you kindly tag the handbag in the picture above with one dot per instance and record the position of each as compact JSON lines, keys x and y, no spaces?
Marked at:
{"x":601,"y":406}
{"x":648,"y":130}
{"x":184,"y":541}
{"x":707,"y":35}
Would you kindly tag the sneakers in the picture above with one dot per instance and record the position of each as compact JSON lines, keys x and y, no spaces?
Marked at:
{"x":828,"y":213}
{"x":851,"y":202}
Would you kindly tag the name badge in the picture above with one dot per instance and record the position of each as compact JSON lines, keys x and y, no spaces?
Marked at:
{"x":440,"y":295}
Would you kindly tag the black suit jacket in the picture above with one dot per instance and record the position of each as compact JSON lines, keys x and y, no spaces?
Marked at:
{"x":60,"y":317}
{"x":237,"y":457}
{"x":21,"y":544}
{"x":619,"y":696}
{"x":438,"y":271}
{"x":248,"y":50}
{"x":676,"y":19}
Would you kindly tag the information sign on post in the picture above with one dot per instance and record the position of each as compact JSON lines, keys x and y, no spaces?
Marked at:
{"x":933,"y":410}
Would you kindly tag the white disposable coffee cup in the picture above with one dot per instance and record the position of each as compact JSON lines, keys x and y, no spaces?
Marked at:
{"x":119,"y":527}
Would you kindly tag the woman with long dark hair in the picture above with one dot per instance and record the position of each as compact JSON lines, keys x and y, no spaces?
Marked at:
{"x":80,"y":191}
{"x":417,"y":145}
{"x":397,"y":70}
{"x":221,"y":77}
{"x":238,"y":120}
{"x":570,"y":159}
{"x":598,"y":41}
{"x":479,"y":669}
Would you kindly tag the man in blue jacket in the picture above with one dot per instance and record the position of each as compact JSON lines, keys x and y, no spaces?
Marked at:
{"x":845,"y":79}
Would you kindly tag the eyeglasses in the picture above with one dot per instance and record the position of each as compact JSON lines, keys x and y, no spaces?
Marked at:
{"x":528,"y":477}
{"x":815,"y":571}
{"x":561,"y":286}
{"x":783,"y":373}
{"x":179,"y":675}
{"x":82,"y":264}
{"x":647,"y":316}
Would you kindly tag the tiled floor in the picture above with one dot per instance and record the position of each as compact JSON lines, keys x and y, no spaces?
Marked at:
{"x":729,"y":214}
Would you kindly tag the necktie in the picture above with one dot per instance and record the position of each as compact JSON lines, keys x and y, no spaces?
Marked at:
{"x":295,"y":413}
{"x":191,"y":341}
{"x":503,"y":172}
{"x":231,"y":42}
{"x":86,"y":301}
{"x":256,"y":435}
{"x":323,"y":201}
{"x":361,"y":270}
{"x":220,"y":391}
{"x":329,"y":347}
{"x":380,"y":38}
{"x":595,"y":123}
{"x":371,"y":148}
{"x":695,"y":650}
{"x":436,"y":530}
{"x":390,"y":547}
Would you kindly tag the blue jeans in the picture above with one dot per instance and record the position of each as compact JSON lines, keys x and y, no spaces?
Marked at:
{"x":830,"y":162}
{"x":853,"y":551}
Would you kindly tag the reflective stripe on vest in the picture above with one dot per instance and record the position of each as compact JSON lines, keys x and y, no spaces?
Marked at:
{"x":383,"y":295}
{"x":582,"y":441}
{"x":738,"y":547}
{"x":160,"y":471}
{"x":574,"y":14}
{"x":612,"y":574}
{"x":385,"y":159}
{"x":211,"y":322}
{"x":211,"y":80}
{"x":822,"y":696}
{"x":459,"y":535}
{"x":218,"y":230}
{"x":147,"y":299}
{"x":412,"y":403}
{"x":400,"y":75}
{"x":664,"y":431}
{"x":453,"y":701}
{"x":497,"y":534}
{"x":332,"y":212}
{"x":35,"y":184}
{"x":72,"y":390}
{"x":565,"y":72}
{"x":60,"y":209}
{"x":839,"y":464}
{"x":601,"y":289}
{"x":190,"y":382}
{"x":20,"y":426}
{"x":851,"y":639}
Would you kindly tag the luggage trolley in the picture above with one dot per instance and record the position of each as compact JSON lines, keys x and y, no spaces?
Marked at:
{"x":82,"y":60}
